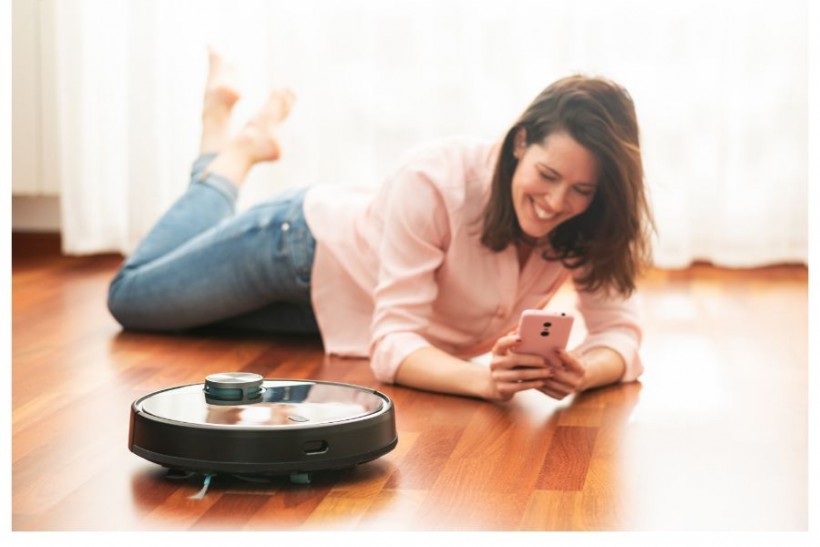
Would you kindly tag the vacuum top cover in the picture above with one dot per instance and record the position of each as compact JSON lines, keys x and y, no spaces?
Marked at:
{"x":246,"y":401}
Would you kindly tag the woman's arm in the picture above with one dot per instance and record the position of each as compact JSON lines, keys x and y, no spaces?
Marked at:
{"x":603,"y":366}
{"x":432,"y":369}
{"x":610,"y":351}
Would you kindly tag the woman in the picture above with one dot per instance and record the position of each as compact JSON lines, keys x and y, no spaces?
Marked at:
{"x":430,"y":270}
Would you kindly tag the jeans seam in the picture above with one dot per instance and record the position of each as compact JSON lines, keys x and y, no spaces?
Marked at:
{"x":298,"y":240}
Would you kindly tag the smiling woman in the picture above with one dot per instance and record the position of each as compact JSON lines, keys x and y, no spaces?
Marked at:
{"x":404,"y":274}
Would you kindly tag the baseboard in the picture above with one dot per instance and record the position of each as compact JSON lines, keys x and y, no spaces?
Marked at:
{"x":35,"y":244}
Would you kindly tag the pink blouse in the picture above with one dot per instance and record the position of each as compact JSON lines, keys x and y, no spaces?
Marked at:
{"x":403,"y":268}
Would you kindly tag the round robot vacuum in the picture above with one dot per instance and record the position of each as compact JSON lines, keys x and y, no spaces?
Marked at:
{"x":240,"y":423}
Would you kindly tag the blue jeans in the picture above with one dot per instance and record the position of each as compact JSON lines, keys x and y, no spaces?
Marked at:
{"x":202,"y":264}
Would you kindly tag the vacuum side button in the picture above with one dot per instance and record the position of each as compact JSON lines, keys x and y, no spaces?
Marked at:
{"x":315,"y":447}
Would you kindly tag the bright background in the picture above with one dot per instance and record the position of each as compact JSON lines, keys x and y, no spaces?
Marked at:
{"x":106,"y":98}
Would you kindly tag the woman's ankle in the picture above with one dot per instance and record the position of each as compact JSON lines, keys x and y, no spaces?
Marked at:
{"x":233,"y":163}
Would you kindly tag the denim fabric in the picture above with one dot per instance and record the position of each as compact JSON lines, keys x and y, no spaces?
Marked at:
{"x":203,"y":264}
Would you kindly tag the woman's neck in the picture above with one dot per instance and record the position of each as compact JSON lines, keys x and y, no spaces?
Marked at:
{"x":524,"y":251}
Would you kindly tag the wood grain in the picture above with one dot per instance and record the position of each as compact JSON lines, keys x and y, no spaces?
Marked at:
{"x":716,"y":429}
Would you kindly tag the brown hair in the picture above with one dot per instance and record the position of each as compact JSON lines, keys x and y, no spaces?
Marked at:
{"x":610,"y":240}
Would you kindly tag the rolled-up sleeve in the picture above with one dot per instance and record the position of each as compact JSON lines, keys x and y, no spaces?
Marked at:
{"x":613,"y":322}
{"x":412,"y":246}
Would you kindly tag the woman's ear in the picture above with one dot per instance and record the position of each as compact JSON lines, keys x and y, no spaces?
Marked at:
{"x":520,"y":143}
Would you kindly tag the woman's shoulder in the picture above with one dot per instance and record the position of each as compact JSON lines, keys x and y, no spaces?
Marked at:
{"x":454,"y":151}
{"x":451,"y":163}
{"x":453,"y":172}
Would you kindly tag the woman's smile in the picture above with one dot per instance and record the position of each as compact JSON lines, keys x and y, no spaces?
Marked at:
{"x":541,"y":212}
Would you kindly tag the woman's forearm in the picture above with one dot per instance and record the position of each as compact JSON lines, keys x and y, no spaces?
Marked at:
{"x":432,"y":369}
{"x":604,"y":366}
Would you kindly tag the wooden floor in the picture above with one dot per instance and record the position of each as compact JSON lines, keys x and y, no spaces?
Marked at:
{"x":714,"y":437}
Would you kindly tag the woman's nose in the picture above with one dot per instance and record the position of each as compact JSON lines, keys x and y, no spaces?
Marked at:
{"x":556,"y":197}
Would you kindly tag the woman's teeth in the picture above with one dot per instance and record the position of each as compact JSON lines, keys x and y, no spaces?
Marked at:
{"x":541,"y":213}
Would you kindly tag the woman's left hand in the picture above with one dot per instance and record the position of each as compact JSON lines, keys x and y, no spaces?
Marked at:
{"x":568,"y":377}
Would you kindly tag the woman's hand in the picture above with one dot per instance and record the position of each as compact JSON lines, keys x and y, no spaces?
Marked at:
{"x":573,"y":372}
{"x":569,"y":375}
{"x":511,"y":372}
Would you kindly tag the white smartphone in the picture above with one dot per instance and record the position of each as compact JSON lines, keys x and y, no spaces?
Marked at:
{"x":541,"y":332}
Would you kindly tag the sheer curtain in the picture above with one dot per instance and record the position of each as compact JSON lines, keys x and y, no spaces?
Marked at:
{"x":720,"y":87}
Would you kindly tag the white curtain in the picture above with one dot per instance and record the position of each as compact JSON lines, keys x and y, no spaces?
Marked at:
{"x":720,"y":87}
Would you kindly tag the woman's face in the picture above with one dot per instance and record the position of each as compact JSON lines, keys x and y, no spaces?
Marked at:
{"x":554,"y":181}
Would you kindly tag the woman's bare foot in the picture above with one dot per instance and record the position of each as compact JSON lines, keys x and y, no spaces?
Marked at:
{"x":257,"y":141}
{"x":259,"y":134}
{"x":221,"y":94}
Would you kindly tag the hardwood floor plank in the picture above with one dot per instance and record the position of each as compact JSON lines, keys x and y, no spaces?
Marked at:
{"x":567,"y":461}
{"x":471,"y":509}
{"x":427,"y":458}
{"x":394,"y":510}
{"x":178,"y":511}
{"x":555,"y":510}
{"x":338,"y":511}
{"x":229,"y":512}
{"x":292,"y":505}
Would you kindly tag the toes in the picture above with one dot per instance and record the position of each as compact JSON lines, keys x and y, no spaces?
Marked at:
{"x":215,"y":57}
{"x":280,"y":103}
{"x":221,"y":74}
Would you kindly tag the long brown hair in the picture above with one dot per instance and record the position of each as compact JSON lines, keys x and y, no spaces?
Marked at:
{"x":610,"y":240}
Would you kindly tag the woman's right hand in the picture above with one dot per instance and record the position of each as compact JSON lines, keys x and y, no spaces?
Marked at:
{"x":511,"y":372}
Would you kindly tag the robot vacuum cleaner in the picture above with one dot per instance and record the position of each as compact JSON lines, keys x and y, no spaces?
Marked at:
{"x":239,"y":423}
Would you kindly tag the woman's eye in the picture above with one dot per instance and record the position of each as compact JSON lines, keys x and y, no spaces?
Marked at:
{"x":547,"y":177}
{"x":584,"y":191}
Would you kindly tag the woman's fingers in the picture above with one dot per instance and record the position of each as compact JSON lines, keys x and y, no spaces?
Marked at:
{"x":508,"y":389}
{"x":506,"y":343}
{"x":505,"y":357}
{"x":567,"y":377}
{"x":560,"y":384}
{"x":510,"y":380}
{"x":517,"y":375}
{"x":554,"y":393}
{"x":516,"y":360}
{"x":571,"y":362}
